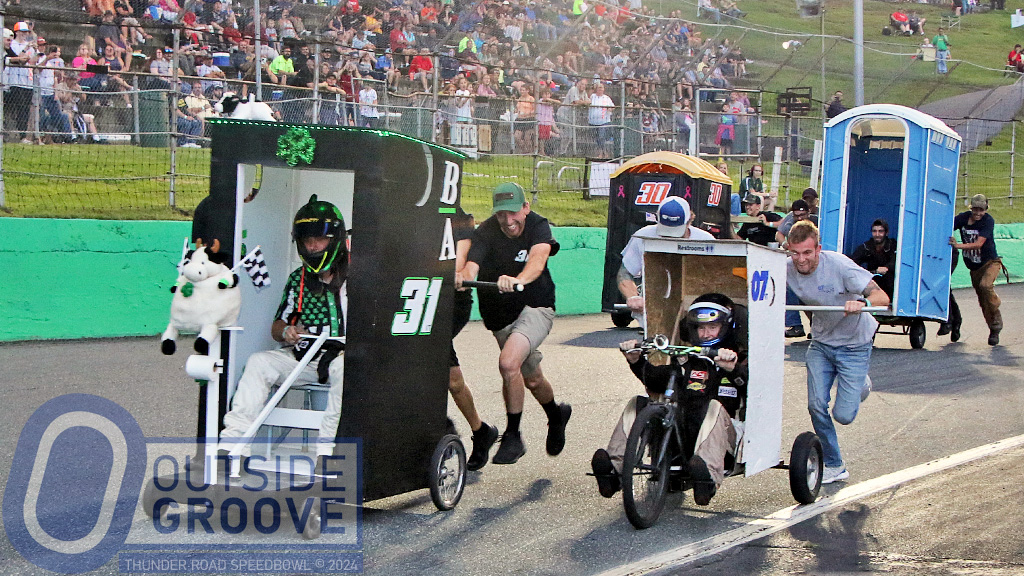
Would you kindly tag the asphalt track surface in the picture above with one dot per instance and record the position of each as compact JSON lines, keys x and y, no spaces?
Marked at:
{"x":543,"y":515}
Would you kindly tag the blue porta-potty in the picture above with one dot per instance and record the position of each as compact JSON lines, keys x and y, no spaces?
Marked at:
{"x":900,"y":164}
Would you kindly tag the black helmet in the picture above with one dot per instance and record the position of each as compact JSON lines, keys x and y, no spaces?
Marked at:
{"x":710,"y":308}
{"x":318,"y":218}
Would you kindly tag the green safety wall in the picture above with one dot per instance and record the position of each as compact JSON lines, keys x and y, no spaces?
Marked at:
{"x":105,"y":278}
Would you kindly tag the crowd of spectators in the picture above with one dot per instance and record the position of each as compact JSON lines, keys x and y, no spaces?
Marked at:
{"x":535,"y":63}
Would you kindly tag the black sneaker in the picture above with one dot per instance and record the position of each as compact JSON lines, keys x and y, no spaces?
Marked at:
{"x":954,"y":335}
{"x":608,"y":480}
{"x":556,"y":431}
{"x":944,"y":329}
{"x":795,"y":332}
{"x":511,"y":449}
{"x":482,"y":443}
{"x":993,"y":337}
{"x":703,"y":486}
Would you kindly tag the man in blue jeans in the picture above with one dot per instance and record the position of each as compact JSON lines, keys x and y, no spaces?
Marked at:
{"x":840,"y":353}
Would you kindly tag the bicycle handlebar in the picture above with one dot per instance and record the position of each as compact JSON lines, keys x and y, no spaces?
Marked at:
{"x":660,"y":343}
{"x":479,"y":284}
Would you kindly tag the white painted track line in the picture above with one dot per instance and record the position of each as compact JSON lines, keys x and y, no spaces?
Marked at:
{"x":787,"y":517}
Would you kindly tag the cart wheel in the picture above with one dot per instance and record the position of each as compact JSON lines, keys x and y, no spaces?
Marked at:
{"x":447,"y":472}
{"x":805,"y":468}
{"x":917,"y":333}
{"x":313,"y":522}
{"x":621,"y":319}
{"x":645,"y":475}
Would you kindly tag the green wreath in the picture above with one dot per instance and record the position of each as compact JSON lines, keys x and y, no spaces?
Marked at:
{"x":296,"y":145}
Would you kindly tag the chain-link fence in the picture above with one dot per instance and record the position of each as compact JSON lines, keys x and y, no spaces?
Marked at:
{"x":144,"y":123}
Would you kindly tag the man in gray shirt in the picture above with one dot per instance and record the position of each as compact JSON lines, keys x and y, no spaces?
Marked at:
{"x":840,"y":353}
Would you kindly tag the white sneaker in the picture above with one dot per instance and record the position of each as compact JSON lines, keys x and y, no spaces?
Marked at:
{"x":834,"y":474}
{"x":866,"y":390}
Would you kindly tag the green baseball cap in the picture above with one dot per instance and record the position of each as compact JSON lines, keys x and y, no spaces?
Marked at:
{"x":508,"y":196}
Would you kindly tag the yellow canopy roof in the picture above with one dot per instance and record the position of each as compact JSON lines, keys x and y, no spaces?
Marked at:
{"x":657,"y":162}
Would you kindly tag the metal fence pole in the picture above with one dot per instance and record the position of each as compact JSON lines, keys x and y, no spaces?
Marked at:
{"x":622,"y":118}
{"x":171,"y":108}
{"x":697,"y":123}
{"x":135,"y":110}
{"x":34,"y":107}
{"x":967,"y":161}
{"x":1013,"y":154}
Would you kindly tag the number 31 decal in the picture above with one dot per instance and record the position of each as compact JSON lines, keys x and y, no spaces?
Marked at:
{"x":420,"y":296}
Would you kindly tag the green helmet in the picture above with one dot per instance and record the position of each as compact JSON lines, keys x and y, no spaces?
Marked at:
{"x":320,"y":219}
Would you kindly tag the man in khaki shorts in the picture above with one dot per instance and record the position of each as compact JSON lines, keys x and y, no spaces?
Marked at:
{"x":512,"y":248}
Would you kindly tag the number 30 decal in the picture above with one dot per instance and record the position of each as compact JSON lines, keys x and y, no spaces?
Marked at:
{"x":420,"y":296}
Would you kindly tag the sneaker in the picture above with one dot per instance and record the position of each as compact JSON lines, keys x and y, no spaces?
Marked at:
{"x":511,"y":449}
{"x":944,"y":329}
{"x":834,"y":474}
{"x":795,"y":332}
{"x":608,"y":480}
{"x":954,"y":335}
{"x":556,"y":431}
{"x":703,"y":485}
{"x":483,"y":440}
{"x":993,"y":337}
{"x":866,"y":390}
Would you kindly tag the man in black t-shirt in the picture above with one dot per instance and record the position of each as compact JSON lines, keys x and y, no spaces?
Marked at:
{"x":512,"y":248}
{"x":977,"y":235}
{"x":878,"y":256}
{"x":761,"y":232}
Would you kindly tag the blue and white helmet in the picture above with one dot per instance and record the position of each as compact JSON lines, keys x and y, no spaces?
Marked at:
{"x":710,"y":308}
{"x":673,"y":217}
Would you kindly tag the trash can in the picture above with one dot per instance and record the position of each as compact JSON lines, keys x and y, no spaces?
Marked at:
{"x":154,"y":123}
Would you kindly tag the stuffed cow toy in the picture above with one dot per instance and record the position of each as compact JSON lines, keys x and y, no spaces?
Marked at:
{"x":206,"y":297}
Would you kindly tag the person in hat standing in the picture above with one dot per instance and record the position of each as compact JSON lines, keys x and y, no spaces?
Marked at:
{"x":978,"y":245}
{"x":512,"y":248}
{"x":763,"y":231}
{"x":19,"y":53}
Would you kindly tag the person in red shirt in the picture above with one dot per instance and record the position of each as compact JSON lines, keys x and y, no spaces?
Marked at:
{"x":623,"y":14}
{"x":428,"y":14}
{"x":399,"y":43}
{"x":422,"y":67}
{"x":1014,"y":58}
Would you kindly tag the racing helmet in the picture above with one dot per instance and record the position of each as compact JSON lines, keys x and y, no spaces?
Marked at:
{"x":709,"y":309}
{"x":319,"y":218}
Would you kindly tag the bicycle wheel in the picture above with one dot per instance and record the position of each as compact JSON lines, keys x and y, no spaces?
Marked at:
{"x":447,"y":475}
{"x":644,"y":470}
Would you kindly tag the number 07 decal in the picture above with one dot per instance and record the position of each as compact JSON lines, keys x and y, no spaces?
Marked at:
{"x":420,"y":295}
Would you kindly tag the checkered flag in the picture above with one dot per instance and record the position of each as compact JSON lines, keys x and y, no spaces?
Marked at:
{"x":256,"y":267}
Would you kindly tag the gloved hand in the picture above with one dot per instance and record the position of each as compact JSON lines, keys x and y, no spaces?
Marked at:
{"x":329,"y":352}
